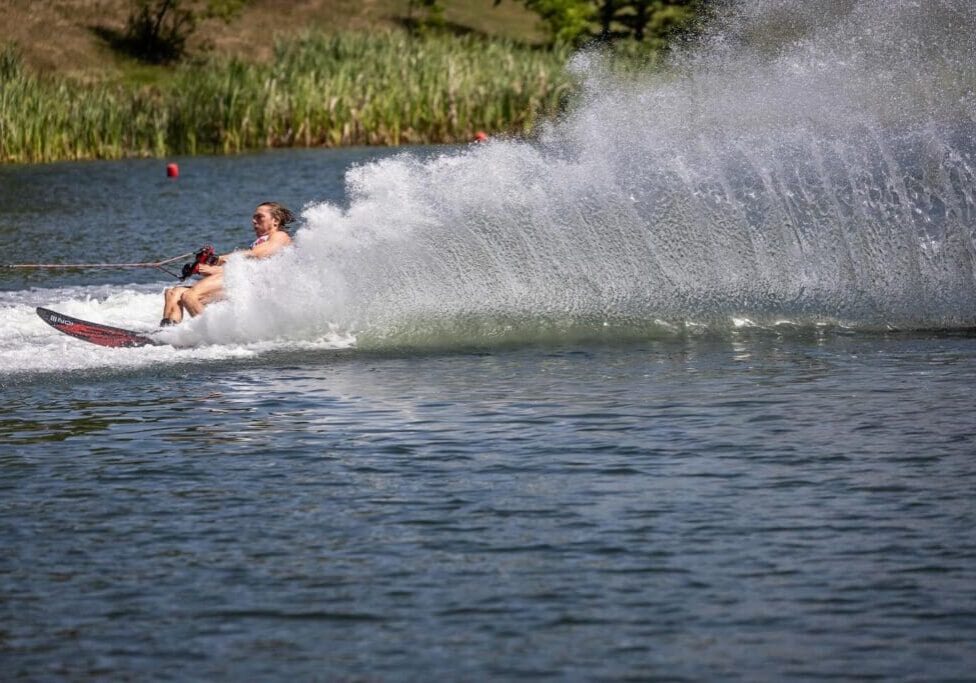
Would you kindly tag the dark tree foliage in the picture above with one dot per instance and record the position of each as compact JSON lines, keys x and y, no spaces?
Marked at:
{"x":157,"y":30}
{"x":652,"y":21}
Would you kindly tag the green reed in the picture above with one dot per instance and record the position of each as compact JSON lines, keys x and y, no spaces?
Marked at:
{"x":345,"y":89}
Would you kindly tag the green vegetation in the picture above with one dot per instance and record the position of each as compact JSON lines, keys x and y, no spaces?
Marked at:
{"x":653,"y":22}
{"x":217,"y":76}
{"x":343,"y":89}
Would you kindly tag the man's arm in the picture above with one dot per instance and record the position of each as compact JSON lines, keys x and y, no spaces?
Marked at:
{"x":275,"y":242}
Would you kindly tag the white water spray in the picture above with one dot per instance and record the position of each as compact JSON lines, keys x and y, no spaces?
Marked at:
{"x":808,"y":161}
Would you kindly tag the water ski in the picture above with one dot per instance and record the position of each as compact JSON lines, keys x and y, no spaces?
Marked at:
{"x":94,"y":333}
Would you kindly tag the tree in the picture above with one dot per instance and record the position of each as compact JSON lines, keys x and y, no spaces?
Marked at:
{"x":568,"y":21}
{"x":658,"y":21}
{"x":654,"y":21}
{"x":157,"y":30}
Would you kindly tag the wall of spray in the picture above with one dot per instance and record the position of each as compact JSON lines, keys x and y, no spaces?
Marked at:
{"x":804,"y":161}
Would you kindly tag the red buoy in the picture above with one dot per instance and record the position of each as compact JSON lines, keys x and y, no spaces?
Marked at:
{"x":480,"y":136}
{"x":172,"y":171}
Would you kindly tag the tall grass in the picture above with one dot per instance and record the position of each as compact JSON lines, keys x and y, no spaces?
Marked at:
{"x":345,"y":89}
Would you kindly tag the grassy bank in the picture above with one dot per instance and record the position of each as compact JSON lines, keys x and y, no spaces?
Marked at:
{"x":386,"y":88}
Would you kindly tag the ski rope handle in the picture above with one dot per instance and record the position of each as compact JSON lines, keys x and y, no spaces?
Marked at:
{"x":206,"y":256}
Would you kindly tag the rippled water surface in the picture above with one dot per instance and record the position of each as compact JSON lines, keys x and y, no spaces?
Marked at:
{"x":680,"y":389}
{"x":753,"y":508}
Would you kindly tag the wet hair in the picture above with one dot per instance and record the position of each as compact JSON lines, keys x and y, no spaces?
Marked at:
{"x":280,"y":213}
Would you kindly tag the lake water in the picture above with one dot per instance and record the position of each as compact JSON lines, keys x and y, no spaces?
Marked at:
{"x":752,"y":504}
{"x":681,"y":389}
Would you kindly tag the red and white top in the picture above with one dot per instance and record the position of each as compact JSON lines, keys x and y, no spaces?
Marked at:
{"x":260,"y":240}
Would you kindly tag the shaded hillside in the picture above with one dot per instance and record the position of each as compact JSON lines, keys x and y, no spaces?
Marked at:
{"x":69,"y":36}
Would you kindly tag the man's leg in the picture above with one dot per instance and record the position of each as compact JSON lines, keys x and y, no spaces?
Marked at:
{"x":172,"y":310}
{"x":209,"y":289}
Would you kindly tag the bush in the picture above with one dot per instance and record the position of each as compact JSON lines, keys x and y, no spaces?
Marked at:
{"x":157,"y":30}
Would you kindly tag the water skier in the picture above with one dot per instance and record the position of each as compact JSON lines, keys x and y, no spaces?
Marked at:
{"x":269,"y":221}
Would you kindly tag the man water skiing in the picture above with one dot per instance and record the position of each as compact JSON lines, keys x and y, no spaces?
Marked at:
{"x":269,"y":221}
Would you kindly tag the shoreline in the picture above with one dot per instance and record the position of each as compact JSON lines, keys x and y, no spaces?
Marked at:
{"x":341,"y":90}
